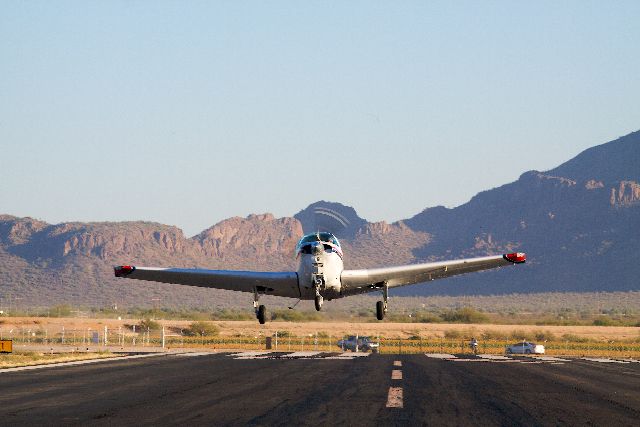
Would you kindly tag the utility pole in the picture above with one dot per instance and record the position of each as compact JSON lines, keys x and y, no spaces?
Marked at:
{"x":155,"y":306}
{"x":15,"y":302}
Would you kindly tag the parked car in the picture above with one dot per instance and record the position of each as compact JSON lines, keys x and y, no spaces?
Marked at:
{"x":525,"y":347}
{"x":363,"y":343}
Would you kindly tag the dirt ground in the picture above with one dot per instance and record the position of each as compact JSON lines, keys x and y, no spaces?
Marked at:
{"x":53,"y":326}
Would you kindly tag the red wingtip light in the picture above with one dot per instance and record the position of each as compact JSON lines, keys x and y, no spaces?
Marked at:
{"x":516,"y":257}
{"x":123,"y":270}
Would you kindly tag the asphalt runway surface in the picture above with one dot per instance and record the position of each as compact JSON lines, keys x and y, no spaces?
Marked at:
{"x":325,"y":389}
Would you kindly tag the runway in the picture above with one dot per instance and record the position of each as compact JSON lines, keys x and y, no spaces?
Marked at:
{"x":312,"y":388}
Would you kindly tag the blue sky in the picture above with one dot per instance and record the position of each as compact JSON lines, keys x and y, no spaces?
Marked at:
{"x":187,"y":113}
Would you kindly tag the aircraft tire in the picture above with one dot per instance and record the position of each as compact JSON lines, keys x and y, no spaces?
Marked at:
{"x":262,"y":314}
{"x":379,"y":310}
{"x":318,"y":301}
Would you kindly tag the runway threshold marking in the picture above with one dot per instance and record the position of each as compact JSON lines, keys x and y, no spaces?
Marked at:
{"x":496,"y":358}
{"x":301,"y":354}
{"x":396,"y":374}
{"x":397,"y":363}
{"x":493,"y":357}
{"x":551,"y":359}
{"x":79,"y":362}
{"x":395,"y":398}
{"x":440,"y":356}
{"x":314,"y":355}
{"x":193,"y":354}
{"x":603,"y":360}
{"x":346,"y":356}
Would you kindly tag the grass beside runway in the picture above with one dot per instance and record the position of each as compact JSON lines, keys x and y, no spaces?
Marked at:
{"x":31,"y":358}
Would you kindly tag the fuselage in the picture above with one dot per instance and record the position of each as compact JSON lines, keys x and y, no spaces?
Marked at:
{"x":319,"y":265}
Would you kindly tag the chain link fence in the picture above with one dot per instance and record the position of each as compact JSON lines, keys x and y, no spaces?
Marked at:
{"x":137,"y":337}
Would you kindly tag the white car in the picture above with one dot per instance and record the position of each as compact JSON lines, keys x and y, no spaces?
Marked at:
{"x":525,"y":347}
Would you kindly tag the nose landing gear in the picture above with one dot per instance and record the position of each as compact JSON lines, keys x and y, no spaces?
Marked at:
{"x":318,"y":281}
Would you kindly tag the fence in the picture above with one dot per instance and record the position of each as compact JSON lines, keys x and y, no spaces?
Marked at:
{"x":125,"y":337}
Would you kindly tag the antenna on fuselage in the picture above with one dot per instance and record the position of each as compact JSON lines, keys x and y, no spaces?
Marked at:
{"x":294,"y":305}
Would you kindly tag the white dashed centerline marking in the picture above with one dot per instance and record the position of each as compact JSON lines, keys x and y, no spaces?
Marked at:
{"x":394,"y":399}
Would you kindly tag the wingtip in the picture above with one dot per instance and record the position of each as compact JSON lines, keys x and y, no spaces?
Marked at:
{"x":516,"y":257}
{"x":123,"y":270}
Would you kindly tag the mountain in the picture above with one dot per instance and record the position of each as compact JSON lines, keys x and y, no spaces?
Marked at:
{"x":579,"y":224}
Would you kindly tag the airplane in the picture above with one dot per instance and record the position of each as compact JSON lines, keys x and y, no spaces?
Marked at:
{"x":320,"y":275}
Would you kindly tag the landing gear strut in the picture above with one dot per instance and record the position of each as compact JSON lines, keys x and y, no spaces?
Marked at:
{"x":261,"y":311}
{"x":381,"y":306}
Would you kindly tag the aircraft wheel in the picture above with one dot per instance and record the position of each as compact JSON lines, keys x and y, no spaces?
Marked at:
{"x":262,"y":314}
{"x":379,"y":310}
{"x":527,"y":351}
{"x":318,"y":302}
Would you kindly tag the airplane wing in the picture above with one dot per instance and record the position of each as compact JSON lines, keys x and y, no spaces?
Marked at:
{"x":283,"y":284}
{"x":361,"y":281}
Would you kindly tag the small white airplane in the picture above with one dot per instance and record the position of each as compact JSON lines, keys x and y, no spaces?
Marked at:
{"x":320,"y":275}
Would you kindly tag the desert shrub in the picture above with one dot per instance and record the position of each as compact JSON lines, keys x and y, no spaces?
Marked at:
{"x":518,"y":335}
{"x":426,"y":318}
{"x":544,"y":336}
{"x":294,"y":315}
{"x":452,"y":334}
{"x":284,"y":334}
{"x":200,"y":328}
{"x":152,"y":325}
{"x":226,"y":314}
{"x":574,"y":338}
{"x":464,"y":315}
{"x":61,"y":310}
{"x":606,"y":321}
{"x":493,"y":335}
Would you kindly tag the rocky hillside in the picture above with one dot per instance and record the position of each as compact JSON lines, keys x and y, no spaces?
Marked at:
{"x":579,"y":224}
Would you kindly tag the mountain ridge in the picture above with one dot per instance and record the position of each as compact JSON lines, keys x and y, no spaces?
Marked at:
{"x":576,"y":222}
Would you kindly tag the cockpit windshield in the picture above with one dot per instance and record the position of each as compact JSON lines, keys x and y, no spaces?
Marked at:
{"x":324,"y":237}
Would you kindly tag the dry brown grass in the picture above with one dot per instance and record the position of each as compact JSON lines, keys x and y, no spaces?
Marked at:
{"x":230,"y":328}
{"x":30,"y":358}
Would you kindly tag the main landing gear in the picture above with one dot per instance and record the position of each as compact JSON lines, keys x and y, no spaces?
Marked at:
{"x":318,"y":299}
{"x":261,"y":311}
{"x":381,"y":306}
